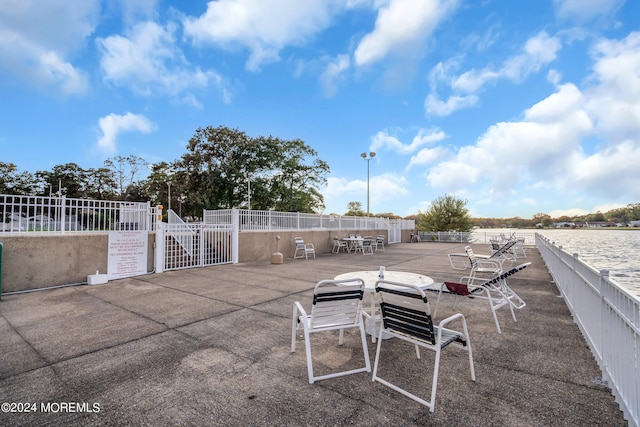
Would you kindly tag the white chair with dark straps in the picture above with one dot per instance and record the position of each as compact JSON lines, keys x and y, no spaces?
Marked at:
{"x":337,"y":305}
{"x":406,"y":315}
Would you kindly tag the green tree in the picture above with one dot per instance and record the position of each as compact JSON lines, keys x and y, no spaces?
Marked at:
{"x":100,"y":184}
{"x":447,"y":213}
{"x":221,"y":164}
{"x":125,"y":171}
{"x":354,"y":209}
{"x":65,"y":180}
{"x":14,"y":182}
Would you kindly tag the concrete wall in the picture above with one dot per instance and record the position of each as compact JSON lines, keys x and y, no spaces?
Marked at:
{"x":259,"y":245}
{"x":40,"y":261}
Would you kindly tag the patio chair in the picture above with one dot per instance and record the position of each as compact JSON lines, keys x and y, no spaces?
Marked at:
{"x":303,"y":249}
{"x":519,"y":250}
{"x":495,"y":291}
{"x":406,"y":315}
{"x":367,"y":245}
{"x":339,"y":244}
{"x":502,"y":252}
{"x":380,"y":242}
{"x":482,"y":266}
{"x":337,"y":305}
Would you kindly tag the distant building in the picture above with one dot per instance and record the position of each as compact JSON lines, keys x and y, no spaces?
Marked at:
{"x":563,"y":224}
{"x":595,"y":224}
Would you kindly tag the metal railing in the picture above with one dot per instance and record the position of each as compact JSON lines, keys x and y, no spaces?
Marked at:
{"x":255,"y":220}
{"x":609,"y":318}
{"x":444,"y":236}
{"x":40,"y":214}
{"x":487,"y":235}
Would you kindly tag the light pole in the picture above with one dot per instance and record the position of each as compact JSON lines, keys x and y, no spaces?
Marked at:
{"x":249,"y":176}
{"x":169,"y":197}
{"x":368,"y":159}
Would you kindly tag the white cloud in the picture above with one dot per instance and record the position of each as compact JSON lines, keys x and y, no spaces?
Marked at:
{"x":265,"y":27}
{"x":437,"y":107}
{"x":586,"y":10}
{"x":36,"y":39}
{"x":614,"y":97}
{"x":573,"y":141}
{"x":334,"y":74}
{"x":383,"y":189}
{"x":401,"y":27}
{"x":148,"y":60}
{"x":538,"y":51}
{"x":114,"y":124}
{"x":133,"y":10}
{"x":427,"y":156}
{"x":382,"y":140}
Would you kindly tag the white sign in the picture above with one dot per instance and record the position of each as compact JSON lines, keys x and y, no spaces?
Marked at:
{"x":127,"y":254}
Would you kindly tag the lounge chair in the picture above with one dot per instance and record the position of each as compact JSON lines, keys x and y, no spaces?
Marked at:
{"x":495,"y":290}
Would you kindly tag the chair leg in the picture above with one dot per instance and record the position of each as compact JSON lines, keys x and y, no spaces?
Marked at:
{"x":307,"y":347}
{"x":434,"y":384}
{"x":365,"y":348}
{"x":294,"y":328}
{"x":466,"y":334}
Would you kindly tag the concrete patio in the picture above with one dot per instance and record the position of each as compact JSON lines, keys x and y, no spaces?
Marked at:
{"x":211,"y":346}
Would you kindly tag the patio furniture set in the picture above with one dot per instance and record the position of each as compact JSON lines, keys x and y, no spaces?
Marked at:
{"x":399,"y":308}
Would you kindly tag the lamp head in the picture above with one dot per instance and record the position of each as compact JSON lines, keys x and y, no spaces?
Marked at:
{"x":372,"y":154}
{"x":363,"y":155}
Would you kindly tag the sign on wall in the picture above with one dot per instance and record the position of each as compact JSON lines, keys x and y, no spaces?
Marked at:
{"x":127,"y":254}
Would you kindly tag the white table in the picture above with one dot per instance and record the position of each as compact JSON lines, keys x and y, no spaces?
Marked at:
{"x":351,"y":242}
{"x":370,"y":277}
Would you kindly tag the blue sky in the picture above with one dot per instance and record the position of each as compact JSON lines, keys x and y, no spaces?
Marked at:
{"x":519,"y":107}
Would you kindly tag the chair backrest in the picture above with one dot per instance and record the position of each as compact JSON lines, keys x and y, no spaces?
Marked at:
{"x":506,"y":274}
{"x":502,"y":249}
{"x":299,"y":242}
{"x":405,"y":310}
{"x":472,"y":256}
{"x":337,"y":302}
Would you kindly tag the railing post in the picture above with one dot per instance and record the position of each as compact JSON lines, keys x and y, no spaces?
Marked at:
{"x":158,"y":255}
{"x":235,"y":227}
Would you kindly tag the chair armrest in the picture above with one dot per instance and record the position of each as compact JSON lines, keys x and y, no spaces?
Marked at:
{"x":465,"y":262}
{"x":484,"y":263}
{"x":451,"y":319}
{"x":297,"y":307}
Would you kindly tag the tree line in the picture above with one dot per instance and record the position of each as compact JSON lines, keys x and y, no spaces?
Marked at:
{"x":221,"y":168}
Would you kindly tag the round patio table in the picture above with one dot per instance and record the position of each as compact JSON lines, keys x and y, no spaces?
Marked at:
{"x":370,"y":277}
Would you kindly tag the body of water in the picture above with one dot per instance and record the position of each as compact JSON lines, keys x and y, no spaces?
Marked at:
{"x":615,"y":250}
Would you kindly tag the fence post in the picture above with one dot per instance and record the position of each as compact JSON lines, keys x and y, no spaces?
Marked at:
{"x":158,"y":254}
{"x":235,"y":221}
{"x":1,"y":249}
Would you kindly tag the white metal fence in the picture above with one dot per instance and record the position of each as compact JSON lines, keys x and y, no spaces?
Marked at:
{"x":255,"y":220}
{"x":609,"y":318}
{"x":39,"y":214}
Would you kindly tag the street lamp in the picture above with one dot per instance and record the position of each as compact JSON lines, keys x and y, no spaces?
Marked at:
{"x":169,"y":196}
{"x":249,"y":176}
{"x":368,"y":159}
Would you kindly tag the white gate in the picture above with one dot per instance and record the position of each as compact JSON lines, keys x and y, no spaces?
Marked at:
{"x":196,"y":245}
{"x":395,"y":231}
